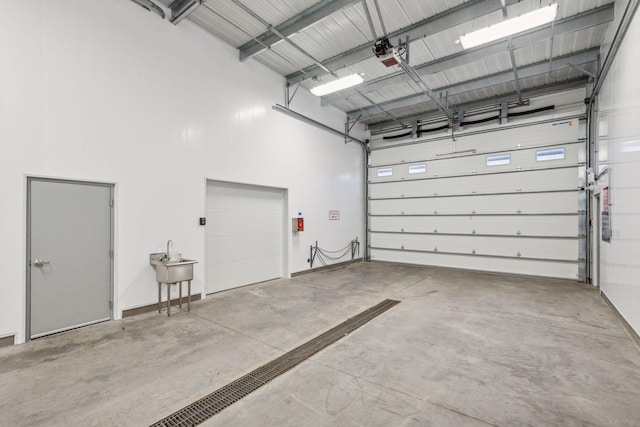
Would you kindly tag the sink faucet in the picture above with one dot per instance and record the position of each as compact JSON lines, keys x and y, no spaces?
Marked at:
{"x":169,"y":242}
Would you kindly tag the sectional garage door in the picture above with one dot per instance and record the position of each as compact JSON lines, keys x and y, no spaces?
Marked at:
{"x":510,"y":200}
{"x":245,"y":235}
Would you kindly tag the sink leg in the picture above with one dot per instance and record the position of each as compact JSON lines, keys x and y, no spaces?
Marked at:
{"x":168,"y":299}
{"x":180,"y":287}
{"x":189,"y":296}
{"x":159,"y":293}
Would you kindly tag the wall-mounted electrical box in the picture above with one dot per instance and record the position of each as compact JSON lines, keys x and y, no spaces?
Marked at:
{"x":297,"y":224}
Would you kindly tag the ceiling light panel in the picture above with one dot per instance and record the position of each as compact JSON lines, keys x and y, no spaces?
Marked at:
{"x":509,"y":27}
{"x":337,"y":85}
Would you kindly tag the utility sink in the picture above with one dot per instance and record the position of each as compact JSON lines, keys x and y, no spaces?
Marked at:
{"x":172,"y":270}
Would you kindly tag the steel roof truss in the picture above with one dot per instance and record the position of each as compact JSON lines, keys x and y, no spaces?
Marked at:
{"x":432,"y":25}
{"x":296,"y":24}
{"x":491,"y":102}
{"x":582,"y":57}
{"x":574,"y":23}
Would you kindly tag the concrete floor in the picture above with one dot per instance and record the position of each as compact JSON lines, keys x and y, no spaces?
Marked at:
{"x":461,"y":349}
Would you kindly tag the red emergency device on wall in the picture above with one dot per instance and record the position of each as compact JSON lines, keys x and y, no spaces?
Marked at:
{"x":300,"y":224}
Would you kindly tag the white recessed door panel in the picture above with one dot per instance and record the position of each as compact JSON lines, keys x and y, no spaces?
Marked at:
{"x":245,"y":235}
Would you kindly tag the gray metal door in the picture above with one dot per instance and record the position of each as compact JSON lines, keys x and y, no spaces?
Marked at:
{"x":69,"y":255}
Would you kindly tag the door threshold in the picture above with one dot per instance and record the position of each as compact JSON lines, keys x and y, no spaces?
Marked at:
{"x":57,"y":331}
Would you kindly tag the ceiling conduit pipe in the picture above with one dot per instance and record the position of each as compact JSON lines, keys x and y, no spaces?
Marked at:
{"x":150,"y":6}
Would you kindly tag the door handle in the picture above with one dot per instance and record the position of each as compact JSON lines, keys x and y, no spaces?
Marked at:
{"x":40,"y":263}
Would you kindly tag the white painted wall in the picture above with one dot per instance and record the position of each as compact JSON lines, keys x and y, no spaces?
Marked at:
{"x":618,"y":147}
{"x":103,"y":90}
{"x":619,"y":7}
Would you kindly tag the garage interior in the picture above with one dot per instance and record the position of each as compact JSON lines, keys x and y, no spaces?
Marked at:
{"x":200,"y":227}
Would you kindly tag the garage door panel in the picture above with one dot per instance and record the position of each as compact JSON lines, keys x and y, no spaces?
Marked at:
{"x":499,"y":139}
{"x":565,"y":270}
{"x":231,"y":248}
{"x":542,"y":248}
{"x":516,"y":181}
{"x":523,"y":159}
{"x":525,"y":203}
{"x":246,"y":197}
{"x":522,"y":137}
{"x":231,"y":222}
{"x":254,"y":271}
{"x":562,"y":226}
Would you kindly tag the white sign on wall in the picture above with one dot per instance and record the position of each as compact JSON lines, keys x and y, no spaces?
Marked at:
{"x":334,"y":215}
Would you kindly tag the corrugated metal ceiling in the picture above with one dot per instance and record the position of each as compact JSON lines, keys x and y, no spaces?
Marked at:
{"x":337,"y":34}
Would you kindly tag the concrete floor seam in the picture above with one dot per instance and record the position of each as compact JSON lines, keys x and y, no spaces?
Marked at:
{"x":463,"y":414}
{"x":235,"y":331}
{"x":312,"y":359}
{"x":409,"y":286}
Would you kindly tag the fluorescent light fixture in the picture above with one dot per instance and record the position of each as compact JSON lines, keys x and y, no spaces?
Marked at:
{"x":510,"y":26}
{"x":336,"y":85}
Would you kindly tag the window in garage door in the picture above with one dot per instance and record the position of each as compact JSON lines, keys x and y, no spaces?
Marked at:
{"x":510,"y":200}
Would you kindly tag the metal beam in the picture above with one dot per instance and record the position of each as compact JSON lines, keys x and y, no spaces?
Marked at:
{"x":583,"y":71}
{"x":572,"y":24}
{"x":376,"y":106}
{"x":560,"y":62}
{"x":511,"y":98}
{"x":425,"y":89}
{"x":504,"y":109}
{"x":367,"y":13}
{"x":296,"y":24}
{"x":315,"y":123}
{"x":384,"y":29}
{"x":280,"y":35}
{"x":318,"y":63}
{"x":514,"y":67}
{"x":427,"y":27}
{"x":180,"y":9}
{"x":242,"y":30}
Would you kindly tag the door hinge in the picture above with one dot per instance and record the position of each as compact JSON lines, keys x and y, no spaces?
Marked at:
{"x":110,"y":305}
{"x":111,"y":253}
{"x":110,"y":202}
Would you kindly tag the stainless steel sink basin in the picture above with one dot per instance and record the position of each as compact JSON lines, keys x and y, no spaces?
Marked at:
{"x":172,"y":270}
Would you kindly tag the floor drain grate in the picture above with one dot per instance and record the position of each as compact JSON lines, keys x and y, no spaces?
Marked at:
{"x":215,"y":402}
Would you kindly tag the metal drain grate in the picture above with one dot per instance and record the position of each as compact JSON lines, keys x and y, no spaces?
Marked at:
{"x":210,"y":405}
